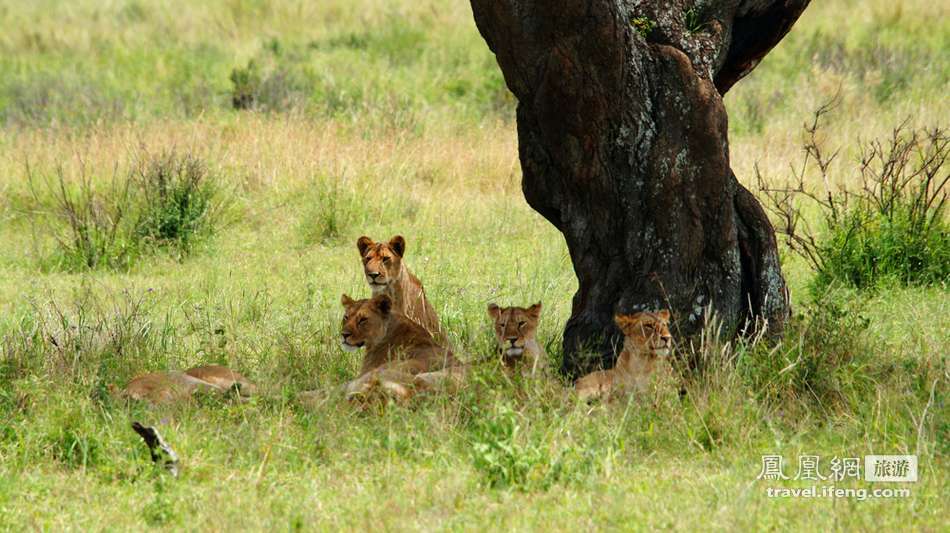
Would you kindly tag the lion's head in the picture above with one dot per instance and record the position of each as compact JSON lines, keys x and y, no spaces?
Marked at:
{"x":514,"y":327}
{"x":382,"y":261}
{"x":364,"y":321}
{"x":646,"y":332}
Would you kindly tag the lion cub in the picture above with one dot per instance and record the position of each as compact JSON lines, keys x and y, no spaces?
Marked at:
{"x":397,"y":349}
{"x":515,"y":330}
{"x":646,"y":338}
{"x":387,"y":274}
{"x":167,"y":387}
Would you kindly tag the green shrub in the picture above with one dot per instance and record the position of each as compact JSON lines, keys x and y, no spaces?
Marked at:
{"x":178,"y":201}
{"x":244,"y":82}
{"x":893,"y":229}
{"x":167,"y":201}
{"x":893,"y":246}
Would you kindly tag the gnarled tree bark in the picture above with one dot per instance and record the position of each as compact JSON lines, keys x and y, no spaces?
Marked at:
{"x":624,"y":148}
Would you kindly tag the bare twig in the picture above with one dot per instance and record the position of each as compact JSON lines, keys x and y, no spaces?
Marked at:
{"x":903,"y":179}
{"x":159,"y":450}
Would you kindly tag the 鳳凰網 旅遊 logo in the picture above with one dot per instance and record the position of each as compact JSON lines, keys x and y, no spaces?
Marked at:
{"x":869,"y":468}
{"x":887,"y":468}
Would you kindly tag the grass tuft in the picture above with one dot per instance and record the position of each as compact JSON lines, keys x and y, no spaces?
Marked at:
{"x":179,"y":201}
{"x":168,"y":202}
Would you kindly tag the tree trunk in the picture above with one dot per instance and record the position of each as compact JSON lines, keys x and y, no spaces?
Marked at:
{"x":623,"y":144}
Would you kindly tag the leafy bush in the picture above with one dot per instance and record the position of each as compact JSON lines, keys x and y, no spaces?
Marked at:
{"x":873,"y":246}
{"x":168,"y":201}
{"x":245,"y":82}
{"x":178,"y":200}
{"x":892,"y":229}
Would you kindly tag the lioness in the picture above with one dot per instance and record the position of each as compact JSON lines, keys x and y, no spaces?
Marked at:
{"x":167,"y":387}
{"x":515,"y":330}
{"x":223,"y":377}
{"x":646,"y":337}
{"x":387,"y":274}
{"x":397,"y":349}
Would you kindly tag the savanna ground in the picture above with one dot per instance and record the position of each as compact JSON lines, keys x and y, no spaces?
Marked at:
{"x":377,"y":118}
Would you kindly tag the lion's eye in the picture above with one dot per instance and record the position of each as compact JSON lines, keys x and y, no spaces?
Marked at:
{"x":385,"y":260}
{"x":521,"y":324}
{"x":362,"y":321}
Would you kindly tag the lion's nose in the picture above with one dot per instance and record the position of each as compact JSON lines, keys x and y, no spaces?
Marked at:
{"x":511,"y":340}
{"x":373,"y":275}
{"x":667,"y":340}
{"x":346,"y":335}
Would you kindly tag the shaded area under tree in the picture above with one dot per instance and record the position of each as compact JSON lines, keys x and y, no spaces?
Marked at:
{"x":623,"y":146}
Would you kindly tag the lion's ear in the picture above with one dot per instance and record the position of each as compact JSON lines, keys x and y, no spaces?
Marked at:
{"x":664,"y":315}
{"x":535,"y":310}
{"x":383,"y":303}
{"x":363,"y":244}
{"x":494,"y":311}
{"x":398,"y":245}
{"x":345,"y":300}
{"x":626,"y":322}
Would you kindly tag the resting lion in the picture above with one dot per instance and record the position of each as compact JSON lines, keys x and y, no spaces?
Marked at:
{"x":387,"y":274}
{"x":646,"y":338}
{"x":167,"y":387}
{"x":399,"y":352}
{"x":515,"y":330}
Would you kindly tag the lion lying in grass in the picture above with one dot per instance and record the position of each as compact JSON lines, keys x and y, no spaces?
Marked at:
{"x":646,"y":340}
{"x":515,"y":330}
{"x":168,"y":387}
{"x":401,"y":355}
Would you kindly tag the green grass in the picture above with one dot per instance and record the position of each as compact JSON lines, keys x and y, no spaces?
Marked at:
{"x":390,"y":117}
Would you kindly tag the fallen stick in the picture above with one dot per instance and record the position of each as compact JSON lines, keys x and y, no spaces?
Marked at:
{"x":160,"y":451}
